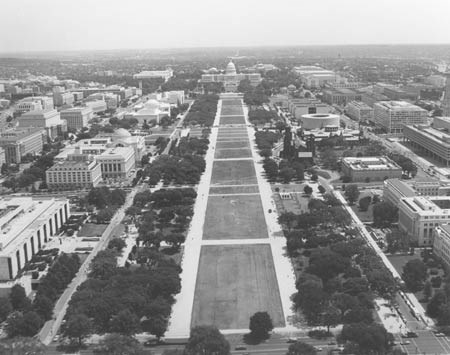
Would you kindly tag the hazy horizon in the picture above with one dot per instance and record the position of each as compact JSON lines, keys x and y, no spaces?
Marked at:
{"x":62,"y":25}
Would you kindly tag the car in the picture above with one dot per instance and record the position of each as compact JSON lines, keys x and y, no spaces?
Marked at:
{"x":240,"y":347}
{"x":439,"y":334}
{"x":291,"y":340}
{"x":411,"y":335}
{"x":317,"y":348}
{"x":154,"y":342}
{"x":332,"y":343}
{"x":405,"y":342}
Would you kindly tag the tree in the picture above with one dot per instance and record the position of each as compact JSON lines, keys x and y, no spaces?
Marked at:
{"x":78,"y":327}
{"x":287,"y":219}
{"x":206,"y":340}
{"x":125,"y":322}
{"x":18,"y":298}
{"x":307,"y":190}
{"x":23,"y":324}
{"x":300,"y":348}
{"x":327,"y":264}
{"x":331,"y":317}
{"x":117,"y":243}
{"x":156,"y":326}
{"x":5,"y":308}
{"x":321,"y":189}
{"x":434,"y":306}
{"x":104,"y":264}
{"x":22,"y":346}
{"x":314,"y":177}
{"x":352,"y":193}
{"x":43,"y":306}
{"x":260,"y":325}
{"x":369,"y":338}
{"x":384,"y":213}
{"x":427,"y":290}
{"x":271,"y":168}
{"x":286,"y":174}
{"x":118,"y":344}
{"x":364,"y":203}
{"x":414,"y":274}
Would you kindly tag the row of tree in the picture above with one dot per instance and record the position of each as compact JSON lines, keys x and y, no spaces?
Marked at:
{"x":203,"y":111}
{"x":284,"y":171}
{"x":25,"y":318}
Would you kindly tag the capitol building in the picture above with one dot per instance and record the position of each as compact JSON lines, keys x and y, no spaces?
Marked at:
{"x":230,"y":78}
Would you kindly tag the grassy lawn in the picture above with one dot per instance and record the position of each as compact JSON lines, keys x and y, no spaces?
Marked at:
{"x":232,"y":120}
{"x":233,"y":135}
{"x":237,"y":144}
{"x":234,"y":217}
{"x":230,"y":190}
{"x":232,"y":130}
{"x":232,"y":153}
{"x":92,"y":230}
{"x":229,"y":102}
{"x":232,"y":110}
{"x":234,"y":282}
{"x":233,"y":172}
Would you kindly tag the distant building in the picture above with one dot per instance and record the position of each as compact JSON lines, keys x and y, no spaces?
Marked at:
{"x":393,"y":115}
{"x":152,"y":74}
{"x":20,"y":142}
{"x":435,"y":80}
{"x":371,"y":168}
{"x":150,"y":111}
{"x":300,"y":107}
{"x":97,"y":106}
{"x":27,"y":223}
{"x":112,"y":100}
{"x":359,"y":111}
{"x":231,"y":78}
{"x":77,"y":117}
{"x":316,"y":77}
{"x":74,"y":174}
{"x":395,"y":93}
{"x":371,"y":98}
{"x":48,"y":120}
{"x":419,"y":215}
{"x":4,"y":103}
{"x":34,"y":103}
{"x":341,"y":96}
{"x":63,"y":98}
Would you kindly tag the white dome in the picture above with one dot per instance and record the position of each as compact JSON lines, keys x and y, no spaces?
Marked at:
{"x":231,"y":69}
{"x":121,"y":133}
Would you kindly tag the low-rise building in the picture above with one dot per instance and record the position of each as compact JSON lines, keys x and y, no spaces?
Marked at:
{"x":341,"y":96}
{"x":359,"y":111}
{"x":74,"y":174}
{"x":370,"y":168}
{"x":394,"y":115}
{"x":77,"y":117}
{"x":300,"y":107}
{"x":17,"y":143}
{"x":116,"y":163}
{"x":151,"y":74}
{"x":419,"y":215}
{"x":63,"y":98}
{"x":26,"y":224}
{"x":33,"y":103}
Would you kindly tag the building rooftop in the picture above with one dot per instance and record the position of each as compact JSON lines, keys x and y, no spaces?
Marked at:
{"x":360,"y":105}
{"x":20,"y":216}
{"x":400,"y":106}
{"x":370,"y":163}
{"x":439,"y":136}
{"x":402,"y":187}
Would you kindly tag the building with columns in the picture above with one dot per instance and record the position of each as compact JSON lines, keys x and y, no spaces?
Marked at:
{"x":26,"y":224}
{"x":117,"y":162}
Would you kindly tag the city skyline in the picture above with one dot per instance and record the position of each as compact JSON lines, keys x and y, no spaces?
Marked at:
{"x":66,"y":26}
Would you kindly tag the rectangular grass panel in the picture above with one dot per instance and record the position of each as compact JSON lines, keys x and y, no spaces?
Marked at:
{"x":234,"y":217}
{"x":233,"y":283}
{"x":233,"y":172}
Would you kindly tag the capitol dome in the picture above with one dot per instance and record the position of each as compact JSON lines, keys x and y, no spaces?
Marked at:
{"x":231,"y":69}
{"x":120,"y":133}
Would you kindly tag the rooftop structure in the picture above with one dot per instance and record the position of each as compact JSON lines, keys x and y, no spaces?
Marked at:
{"x":359,"y":111}
{"x":441,"y":242}
{"x":319,"y":120}
{"x":370,"y":168}
{"x":48,"y":120}
{"x":26,"y":224}
{"x":74,"y":174}
{"x":77,"y":117}
{"x":300,"y":107}
{"x":151,"y":74}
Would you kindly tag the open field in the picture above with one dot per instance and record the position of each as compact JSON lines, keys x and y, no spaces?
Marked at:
{"x":238,"y":134}
{"x":230,"y":190}
{"x":231,"y":144}
{"x":232,"y":130}
{"x":92,"y":230}
{"x":233,"y":153}
{"x":233,"y":172}
{"x":234,"y":217}
{"x":228,"y":139}
{"x":232,"y":120}
{"x":234,"y":282}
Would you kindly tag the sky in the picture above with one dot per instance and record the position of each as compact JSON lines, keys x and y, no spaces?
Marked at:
{"x":47,"y":25}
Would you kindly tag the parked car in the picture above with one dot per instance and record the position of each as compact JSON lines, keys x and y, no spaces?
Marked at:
{"x":240,"y":347}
